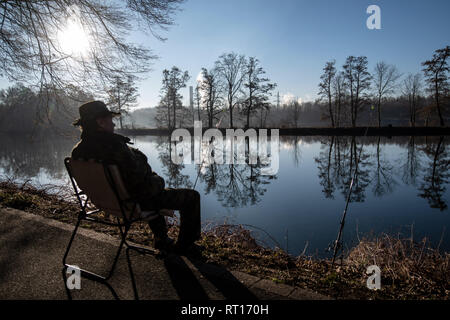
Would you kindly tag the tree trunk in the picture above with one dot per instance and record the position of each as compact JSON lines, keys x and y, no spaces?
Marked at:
{"x":330,"y":106}
{"x":231,"y":112}
{"x":379,"y":112}
{"x":410,"y":111}
{"x":174,"y":103}
{"x":210,"y":115}
{"x":339,"y":113}
{"x":441,"y":120}
{"x":249,"y":108}
{"x":120,"y":107}
{"x":330,"y":109}
{"x":168,"y":114}
{"x":353,"y":115}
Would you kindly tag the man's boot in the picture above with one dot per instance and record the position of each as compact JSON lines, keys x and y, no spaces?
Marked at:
{"x":160,"y":239}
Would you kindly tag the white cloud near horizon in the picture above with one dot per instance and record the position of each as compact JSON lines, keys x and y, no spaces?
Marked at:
{"x":288,"y":98}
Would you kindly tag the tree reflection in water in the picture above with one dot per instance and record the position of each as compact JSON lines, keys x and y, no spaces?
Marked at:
{"x":436,"y":174}
{"x":172,"y":172}
{"x":336,"y":162}
{"x":411,"y":167}
{"x":423,"y":163}
{"x":23,"y":158}
{"x":235,"y":185}
{"x":383,"y":173}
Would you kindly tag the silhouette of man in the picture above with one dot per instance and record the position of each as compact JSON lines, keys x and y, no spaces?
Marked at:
{"x":99,"y":142}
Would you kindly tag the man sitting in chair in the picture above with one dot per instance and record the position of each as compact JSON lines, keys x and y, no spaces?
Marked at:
{"x":99,"y":142}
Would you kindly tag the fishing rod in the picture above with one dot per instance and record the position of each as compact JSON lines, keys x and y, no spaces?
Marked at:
{"x":337,"y":243}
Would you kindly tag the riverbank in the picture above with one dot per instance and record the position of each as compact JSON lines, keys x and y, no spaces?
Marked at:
{"x":306,"y":131}
{"x":409,"y":270}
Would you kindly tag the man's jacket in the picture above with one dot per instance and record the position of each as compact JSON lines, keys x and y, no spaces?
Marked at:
{"x":110,"y":148}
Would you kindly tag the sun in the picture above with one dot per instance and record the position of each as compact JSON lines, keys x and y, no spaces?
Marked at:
{"x":73,"y":39}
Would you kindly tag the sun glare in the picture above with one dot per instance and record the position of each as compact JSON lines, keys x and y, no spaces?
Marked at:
{"x":73,"y":39}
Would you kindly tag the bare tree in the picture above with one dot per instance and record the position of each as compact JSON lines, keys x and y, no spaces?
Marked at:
{"x":258,"y":89}
{"x":325,"y":87}
{"x":436,"y":75}
{"x":173,"y":81}
{"x":231,"y":68}
{"x":32,"y":32}
{"x":122,"y":96}
{"x":411,"y":89}
{"x":385,"y":81}
{"x":210,"y":89}
{"x":358,"y":81}
{"x":163,"y":112}
{"x":339,"y":90}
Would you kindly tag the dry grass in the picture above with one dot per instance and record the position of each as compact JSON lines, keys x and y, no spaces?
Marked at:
{"x":410,"y":269}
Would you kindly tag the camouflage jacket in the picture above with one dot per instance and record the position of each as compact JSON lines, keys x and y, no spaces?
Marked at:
{"x":110,"y":148}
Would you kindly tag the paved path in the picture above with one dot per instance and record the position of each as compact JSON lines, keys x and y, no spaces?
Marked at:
{"x":32,"y":247}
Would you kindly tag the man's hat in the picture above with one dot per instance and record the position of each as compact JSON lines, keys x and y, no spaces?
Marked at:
{"x":93,"y":110}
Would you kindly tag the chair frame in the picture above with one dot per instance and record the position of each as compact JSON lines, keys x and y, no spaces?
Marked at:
{"x":124,"y":227}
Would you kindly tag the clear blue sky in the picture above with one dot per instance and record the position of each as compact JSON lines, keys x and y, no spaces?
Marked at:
{"x":294,"y":38}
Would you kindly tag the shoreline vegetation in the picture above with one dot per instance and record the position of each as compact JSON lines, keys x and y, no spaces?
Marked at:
{"x":315,"y":131}
{"x":409,"y":269}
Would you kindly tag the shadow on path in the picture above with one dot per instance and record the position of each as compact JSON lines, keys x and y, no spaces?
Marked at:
{"x":224,"y":281}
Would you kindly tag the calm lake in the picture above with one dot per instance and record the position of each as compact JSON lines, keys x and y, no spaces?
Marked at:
{"x":401,"y":186}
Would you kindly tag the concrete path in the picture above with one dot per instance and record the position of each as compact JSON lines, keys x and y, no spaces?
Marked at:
{"x":32,"y":247}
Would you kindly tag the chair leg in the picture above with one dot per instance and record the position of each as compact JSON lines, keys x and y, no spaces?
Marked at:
{"x":71,"y":240}
{"x":88,"y":274}
{"x":122,"y":242}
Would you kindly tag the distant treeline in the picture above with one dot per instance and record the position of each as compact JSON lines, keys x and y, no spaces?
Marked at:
{"x":235,"y":93}
{"x":23,"y":110}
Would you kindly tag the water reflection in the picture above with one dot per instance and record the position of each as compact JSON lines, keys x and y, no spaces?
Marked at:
{"x":235,"y":185}
{"x":433,"y":185}
{"x":336,"y":162}
{"x":423,"y":164}
{"x":172,"y":172}
{"x":411,"y":167}
{"x":26,"y":158}
{"x":399,"y":181}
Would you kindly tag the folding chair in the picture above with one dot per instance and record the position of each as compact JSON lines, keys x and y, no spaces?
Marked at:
{"x":103,"y":186}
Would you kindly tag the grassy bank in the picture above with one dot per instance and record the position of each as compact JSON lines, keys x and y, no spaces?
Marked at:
{"x":409,"y":270}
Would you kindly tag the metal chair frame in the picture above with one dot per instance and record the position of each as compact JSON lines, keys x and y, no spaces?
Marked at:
{"x":124,"y":227}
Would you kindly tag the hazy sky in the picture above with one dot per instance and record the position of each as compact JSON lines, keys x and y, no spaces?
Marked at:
{"x":294,"y":38}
